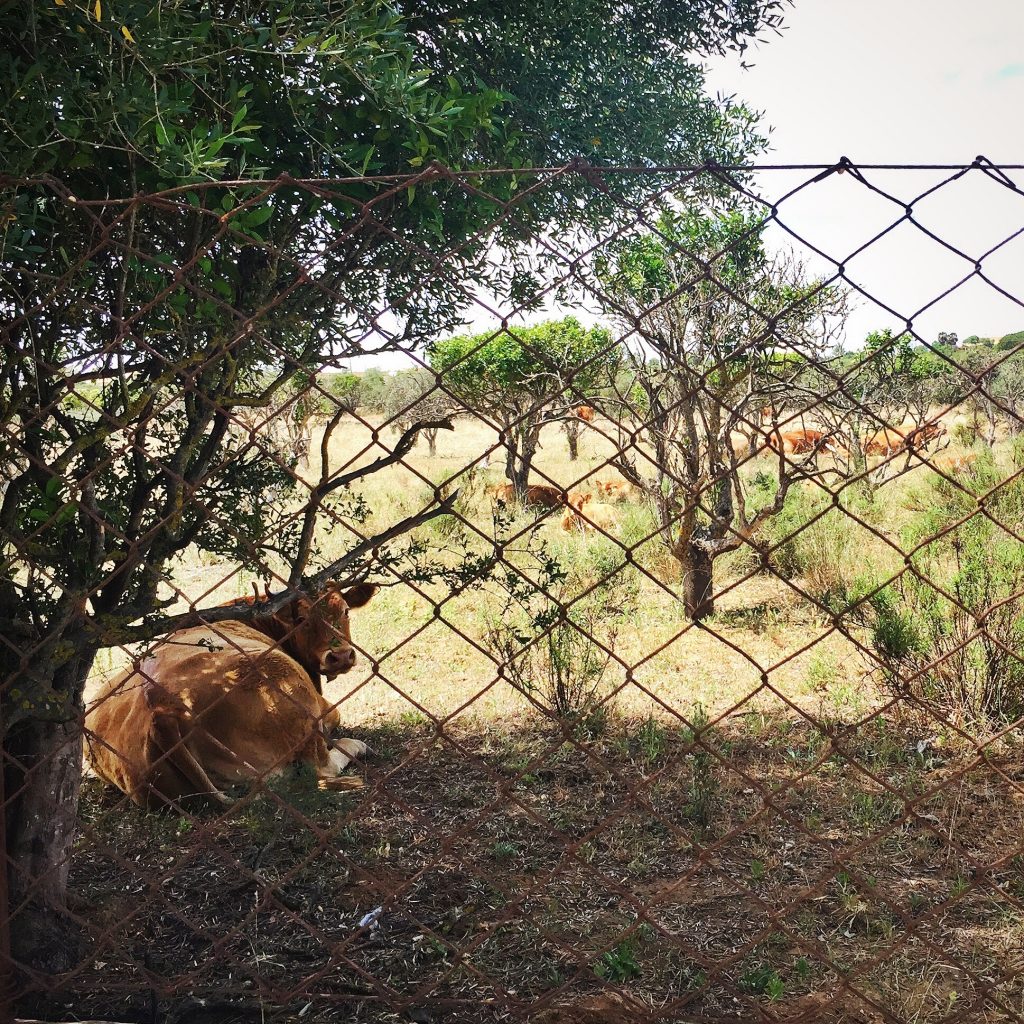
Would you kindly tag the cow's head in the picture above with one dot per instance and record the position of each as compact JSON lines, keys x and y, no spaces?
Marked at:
{"x":315,"y":632}
{"x":319,"y":628}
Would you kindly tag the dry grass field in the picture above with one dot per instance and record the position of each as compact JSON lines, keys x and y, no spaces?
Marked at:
{"x":748,"y":829}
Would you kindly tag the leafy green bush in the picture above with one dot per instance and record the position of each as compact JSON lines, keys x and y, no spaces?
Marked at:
{"x":819,"y":545}
{"x":619,"y":964}
{"x":951,"y":630}
{"x":545,"y":640}
{"x":1008,"y":341}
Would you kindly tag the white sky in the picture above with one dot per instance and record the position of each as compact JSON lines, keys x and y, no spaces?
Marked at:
{"x":900,"y":82}
{"x":894,"y":82}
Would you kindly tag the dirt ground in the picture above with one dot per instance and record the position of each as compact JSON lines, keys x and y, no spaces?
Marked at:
{"x":760,"y":870}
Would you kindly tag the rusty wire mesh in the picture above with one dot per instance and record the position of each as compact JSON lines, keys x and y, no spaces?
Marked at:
{"x":716,"y":719}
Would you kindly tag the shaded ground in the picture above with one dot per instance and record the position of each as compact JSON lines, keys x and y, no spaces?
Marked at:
{"x":764,"y":871}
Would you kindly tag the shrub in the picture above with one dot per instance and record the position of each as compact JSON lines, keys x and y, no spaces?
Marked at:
{"x":1009,"y":341}
{"x":561,"y":666}
{"x":821,"y":546}
{"x":619,"y":964}
{"x":951,"y":631}
{"x":344,"y":388}
{"x":703,"y":792}
{"x":545,"y":640}
{"x":651,"y":740}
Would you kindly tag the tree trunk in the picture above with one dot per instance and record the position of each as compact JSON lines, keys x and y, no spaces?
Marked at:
{"x":510,"y":460}
{"x":42,"y":776}
{"x":520,"y":479}
{"x":572,"y":436}
{"x":698,"y":581}
{"x":520,"y":451}
{"x":430,"y":433}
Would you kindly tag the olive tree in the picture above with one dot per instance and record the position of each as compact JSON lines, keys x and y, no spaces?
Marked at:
{"x":174,"y":252}
{"x":515,"y":376}
{"x":717,"y":316}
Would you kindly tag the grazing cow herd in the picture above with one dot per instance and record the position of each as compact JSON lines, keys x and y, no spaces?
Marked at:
{"x":216,"y":705}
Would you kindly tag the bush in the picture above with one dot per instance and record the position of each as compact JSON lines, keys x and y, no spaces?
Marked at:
{"x":545,"y":641}
{"x":819,"y":545}
{"x":951,"y":631}
{"x":344,"y":389}
{"x":554,"y":659}
{"x":1008,"y":341}
{"x":703,"y":789}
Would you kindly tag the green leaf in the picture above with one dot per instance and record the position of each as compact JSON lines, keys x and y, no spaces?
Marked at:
{"x":260,"y":215}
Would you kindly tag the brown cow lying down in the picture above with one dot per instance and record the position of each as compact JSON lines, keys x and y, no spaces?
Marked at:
{"x":615,"y":490}
{"x":894,"y":440}
{"x":953,"y":464}
{"x":598,"y":514}
{"x":543,"y":495}
{"x":800,"y":442}
{"x":218,"y":705}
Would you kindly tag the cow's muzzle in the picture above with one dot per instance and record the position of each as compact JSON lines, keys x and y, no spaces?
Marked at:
{"x":336,"y":662}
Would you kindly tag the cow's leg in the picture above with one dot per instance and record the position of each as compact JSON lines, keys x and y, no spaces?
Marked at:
{"x":340,"y":754}
{"x":168,"y":745}
{"x":344,"y":751}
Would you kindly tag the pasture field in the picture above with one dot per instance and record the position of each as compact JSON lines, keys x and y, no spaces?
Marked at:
{"x":745,"y":810}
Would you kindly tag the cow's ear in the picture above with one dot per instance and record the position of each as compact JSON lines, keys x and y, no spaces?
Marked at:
{"x":360,"y":594}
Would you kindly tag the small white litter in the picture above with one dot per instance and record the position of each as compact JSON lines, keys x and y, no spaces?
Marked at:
{"x":371,"y":919}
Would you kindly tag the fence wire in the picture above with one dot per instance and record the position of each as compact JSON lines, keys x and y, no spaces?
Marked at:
{"x":424,"y":600}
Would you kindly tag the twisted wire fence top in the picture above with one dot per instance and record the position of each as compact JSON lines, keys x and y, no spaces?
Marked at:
{"x":468,"y":615}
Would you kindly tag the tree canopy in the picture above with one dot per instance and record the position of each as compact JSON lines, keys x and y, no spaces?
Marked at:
{"x":147,"y":95}
{"x":514,"y":376}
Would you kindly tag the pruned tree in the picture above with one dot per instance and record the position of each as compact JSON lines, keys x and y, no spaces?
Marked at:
{"x":1008,"y":390}
{"x":992,"y":383}
{"x":415,"y":396}
{"x":877,"y":400}
{"x":515,"y":376}
{"x":717,"y":315}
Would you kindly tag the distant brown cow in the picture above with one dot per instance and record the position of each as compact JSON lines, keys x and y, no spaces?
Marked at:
{"x":894,"y":440}
{"x":605,"y":517}
{"x":952,"y":464}
{"x":615,"y":490}
{"x":543,"y":495}
{"x":584,"y":412}
{"x":572,"y":522}
{"x":598,"y":514}
{"x":800,"y":442}
{"x":212,"y":706}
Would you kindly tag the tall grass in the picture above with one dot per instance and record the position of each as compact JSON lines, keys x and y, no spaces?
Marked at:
{"x":824,"y":547}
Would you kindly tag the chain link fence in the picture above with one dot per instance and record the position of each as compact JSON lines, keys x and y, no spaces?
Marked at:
{"x":469,"y":617}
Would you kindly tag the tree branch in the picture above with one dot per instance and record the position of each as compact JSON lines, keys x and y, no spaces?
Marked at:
{"x":116,"y":631}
